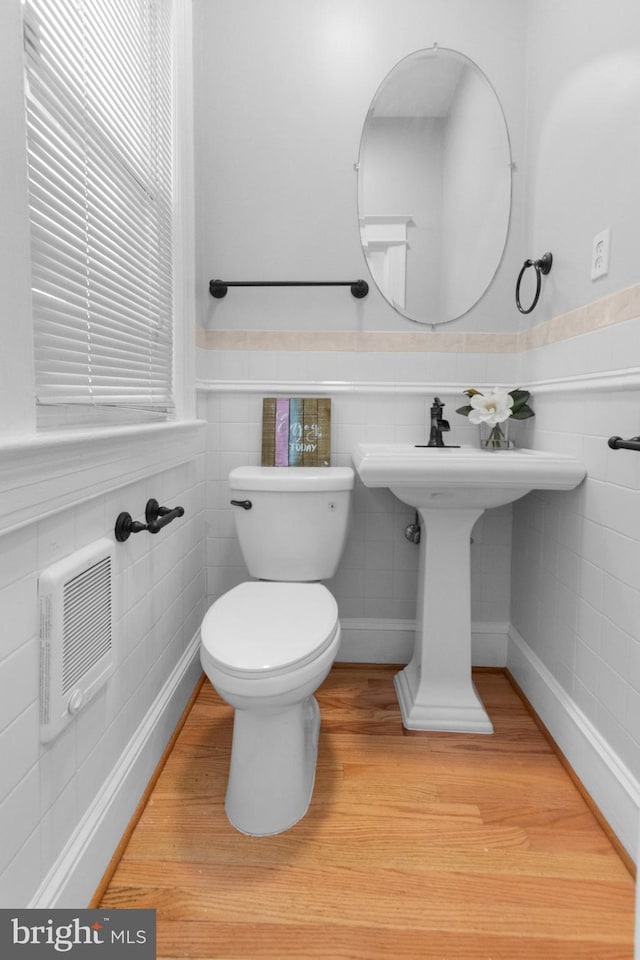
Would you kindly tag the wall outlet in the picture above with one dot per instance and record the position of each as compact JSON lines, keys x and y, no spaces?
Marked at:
{"x":600,"y":254}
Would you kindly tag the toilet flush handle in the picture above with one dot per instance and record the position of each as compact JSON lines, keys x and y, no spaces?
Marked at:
{"x":245,"y":504}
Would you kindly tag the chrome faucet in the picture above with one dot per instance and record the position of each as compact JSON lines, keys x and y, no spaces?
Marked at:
{"x":438,"y":424}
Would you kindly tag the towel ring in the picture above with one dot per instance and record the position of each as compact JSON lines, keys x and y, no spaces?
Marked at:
{"x":542,"y":266}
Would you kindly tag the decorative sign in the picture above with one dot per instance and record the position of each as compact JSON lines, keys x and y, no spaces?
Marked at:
{"x":296,"y":432}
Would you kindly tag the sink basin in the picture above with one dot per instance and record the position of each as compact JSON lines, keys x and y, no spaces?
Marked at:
{"x":450,"y":477}
{"x":450,"y":487}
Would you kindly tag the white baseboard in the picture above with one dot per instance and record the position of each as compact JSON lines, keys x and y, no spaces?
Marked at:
{"x":75,"y":875}
{"x":371,"y":640}
{"x":613,"y":788}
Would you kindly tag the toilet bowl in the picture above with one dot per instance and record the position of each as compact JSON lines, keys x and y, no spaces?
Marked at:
{"x":277,"y":719}
{"x":268,"y":644}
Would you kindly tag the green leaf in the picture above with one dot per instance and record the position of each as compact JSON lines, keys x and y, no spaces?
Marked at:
{"x":519,"y":394}
{"x":465,"y":411}
{"x":520,"y":410}
{"x":522,"y":414}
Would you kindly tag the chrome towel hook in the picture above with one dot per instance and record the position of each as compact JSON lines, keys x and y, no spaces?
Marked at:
{"x":542,"y":267}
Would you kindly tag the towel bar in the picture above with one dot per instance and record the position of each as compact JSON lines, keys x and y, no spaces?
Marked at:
{"x":617,"y":443}
{"x":218,"y":288}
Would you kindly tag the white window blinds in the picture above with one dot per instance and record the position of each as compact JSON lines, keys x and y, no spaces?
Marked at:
{"x":99,"y":121}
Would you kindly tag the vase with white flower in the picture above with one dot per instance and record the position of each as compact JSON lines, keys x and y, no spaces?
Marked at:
{"x":493,"y":411}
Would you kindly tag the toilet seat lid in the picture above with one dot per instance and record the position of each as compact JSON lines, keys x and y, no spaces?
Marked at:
{"x":264,"y":627}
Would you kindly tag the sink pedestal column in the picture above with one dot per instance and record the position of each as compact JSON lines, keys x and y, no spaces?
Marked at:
{"x":435,"y":689}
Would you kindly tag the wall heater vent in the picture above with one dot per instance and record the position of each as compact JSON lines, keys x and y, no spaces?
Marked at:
{"x":76,"y":633}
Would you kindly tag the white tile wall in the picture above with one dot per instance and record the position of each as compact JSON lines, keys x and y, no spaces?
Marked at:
{"x":159,"y":603}
{"x":377,"y":576}
{"x":576,"y":556}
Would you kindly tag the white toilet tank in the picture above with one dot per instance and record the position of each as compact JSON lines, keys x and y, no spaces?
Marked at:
{"x":296,"y":525}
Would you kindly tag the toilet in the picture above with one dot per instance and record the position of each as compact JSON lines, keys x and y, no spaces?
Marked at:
{"x":267,"y":644}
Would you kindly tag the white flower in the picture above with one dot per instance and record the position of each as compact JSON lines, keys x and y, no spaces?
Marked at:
{"x":491,"y":408}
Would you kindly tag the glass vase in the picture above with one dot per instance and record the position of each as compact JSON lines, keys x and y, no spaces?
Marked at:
{"x":495,"y":436}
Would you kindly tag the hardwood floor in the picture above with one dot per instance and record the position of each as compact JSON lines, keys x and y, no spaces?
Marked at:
{"x":416,"y":846}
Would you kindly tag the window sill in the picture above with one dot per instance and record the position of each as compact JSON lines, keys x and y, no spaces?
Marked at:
{"x":43,"y":473}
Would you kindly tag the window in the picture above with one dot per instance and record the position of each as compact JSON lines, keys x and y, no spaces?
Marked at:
{"x":99,"y":131}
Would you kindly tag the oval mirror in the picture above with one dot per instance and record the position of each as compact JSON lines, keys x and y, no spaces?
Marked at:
{"x":434,"y":185}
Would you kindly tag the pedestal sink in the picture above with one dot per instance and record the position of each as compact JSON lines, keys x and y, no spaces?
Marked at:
{"x":450,"y":487}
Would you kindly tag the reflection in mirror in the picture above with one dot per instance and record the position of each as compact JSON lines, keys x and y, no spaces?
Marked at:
{"x":434,"y":185}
